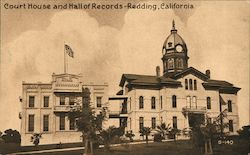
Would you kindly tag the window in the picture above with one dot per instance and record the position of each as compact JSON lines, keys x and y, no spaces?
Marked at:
{"x":231,"y":126}
{"x":170,"y":44}
{"x":45,"y":122}
{"x":153,"y":122}
{"x":71,"y":124}
{"x":62,"y":122}
{"x":153,"y":103}
{"x":175,"y":122}
{"x":179,"y":63}
{"x":99,"y":101}
{"x":229,"y":103}
{"x":171,"y":63}
{"x":161,"y":101}
{"x":62,"y":100}
{"x":71,"y":100}
{"x":31,"y":101}
{"x":190,"y":84}
{"x":46,"y":101}
{"x":208,"y":103}
{"x":141,"y":121}
{"x":130,"y":122}
{"x":174,"y":101}
{"x":130,"y":103}
{"x":31,"y":122}
{"x":186,"y":84}
{"x":194,"y":100}
{"x":141,"y":102}
{"x":188,"y":101}
{"x":195,"y":85}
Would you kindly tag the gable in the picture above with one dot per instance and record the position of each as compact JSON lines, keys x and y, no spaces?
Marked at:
{"x":189,"y":71}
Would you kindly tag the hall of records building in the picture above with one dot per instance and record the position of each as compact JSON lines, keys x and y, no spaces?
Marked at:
{"x":177,"y":98}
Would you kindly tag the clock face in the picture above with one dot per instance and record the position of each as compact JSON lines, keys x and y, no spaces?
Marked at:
{"x":178,"y":48}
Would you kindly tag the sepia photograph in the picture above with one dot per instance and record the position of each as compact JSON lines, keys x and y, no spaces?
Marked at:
{"x":124,"y":77}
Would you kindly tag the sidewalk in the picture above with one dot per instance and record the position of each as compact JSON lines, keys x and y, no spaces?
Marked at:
{"x":79,"y":148}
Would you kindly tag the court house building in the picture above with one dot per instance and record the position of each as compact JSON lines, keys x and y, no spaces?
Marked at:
{"x":178,"y":95}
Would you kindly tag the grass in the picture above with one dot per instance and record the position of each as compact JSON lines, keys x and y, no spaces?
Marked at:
{"x":181,"y":147}
{"x":171,"y":148}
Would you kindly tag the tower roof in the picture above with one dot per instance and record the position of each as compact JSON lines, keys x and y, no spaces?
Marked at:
{"x":174,"y":39}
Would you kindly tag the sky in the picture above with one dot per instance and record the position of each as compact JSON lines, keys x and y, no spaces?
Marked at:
{"x":108,"y":43}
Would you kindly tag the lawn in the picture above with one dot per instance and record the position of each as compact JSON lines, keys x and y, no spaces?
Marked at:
{"x":182,"y":147}
{"x":171,"y":148}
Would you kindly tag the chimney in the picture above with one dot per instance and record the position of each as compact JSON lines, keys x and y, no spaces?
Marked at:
{"x":208,"y":73}
{"x":158,"y":71}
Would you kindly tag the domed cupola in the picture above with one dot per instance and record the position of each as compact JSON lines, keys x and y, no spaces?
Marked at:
{"x":174,"y":53}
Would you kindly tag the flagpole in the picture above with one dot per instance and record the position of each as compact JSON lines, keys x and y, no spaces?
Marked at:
{"x":65,"y":71}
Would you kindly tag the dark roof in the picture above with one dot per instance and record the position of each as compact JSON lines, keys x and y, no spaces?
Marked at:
{"x":186,"y":71}
{"x":219,"y":83}
{"x":170,"y":79}
{"x":146,"y":79}
{"x":222,"y":86}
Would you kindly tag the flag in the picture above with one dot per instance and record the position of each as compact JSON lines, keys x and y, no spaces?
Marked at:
{"x":69,"y":51}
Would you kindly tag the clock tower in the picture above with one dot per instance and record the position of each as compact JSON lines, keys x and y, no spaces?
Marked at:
{"x":174,"y":53}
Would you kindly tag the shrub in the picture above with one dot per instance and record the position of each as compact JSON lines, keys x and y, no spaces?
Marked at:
{"x":158,"y":138}
{"x":11,"y":136}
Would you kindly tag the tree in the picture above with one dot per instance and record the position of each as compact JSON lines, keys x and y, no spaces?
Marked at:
{"x":204,"y":132}
{"x":145,"y":131}
{"x":187,"y":132}
{"x":174,"y":132}
{"x":87,"y":122}
{"x":163,"y":129}
{"x":130,"y":135}
{"x":108,"y":135}
{"x":35,"y":138}
{"x":244,"y":132}
{"x":11,"y":136}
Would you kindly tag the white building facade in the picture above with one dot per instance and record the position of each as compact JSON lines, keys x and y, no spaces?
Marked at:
{"x":45,"y":108}
{"x":179,"y":96}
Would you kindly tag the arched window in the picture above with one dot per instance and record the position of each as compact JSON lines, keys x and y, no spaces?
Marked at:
{"x":141,"y":122}
{"x":231,"y":125}
{"x":153,"y":102}
{"x":229,"y":104}
{"x":174,"y":101}
{"x":195,"y":85}
{"x":181,"y":63}
{"x":171,"y":63}
{"x":141,"y":102}
{"x":177,"y":63}
{"x":174,"y":122}
{"x":190,"y":84}
{"x":194,"y":100}
{"x":186,"y":84}
{"x":208,"y":103}
{"x":189,"y":101}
